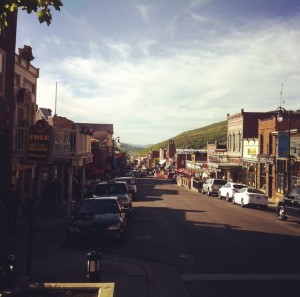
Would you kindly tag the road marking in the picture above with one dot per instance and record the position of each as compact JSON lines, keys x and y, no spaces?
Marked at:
{"x":240,"y":277}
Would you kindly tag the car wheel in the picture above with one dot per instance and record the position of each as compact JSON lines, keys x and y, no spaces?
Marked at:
{"x":280,"y":212}
{"x":208,"y":192}
{"x":219,"y":195}
{"x":242,"y":203}
{"x":227,"y":197}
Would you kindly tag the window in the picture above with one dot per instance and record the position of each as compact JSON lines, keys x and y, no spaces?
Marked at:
{"x":239,"y":142}
{"x":29,"y":86}
{"x":261,"y":147}
{"x":270,"y":144}
{"x":234,"y":143}
{"x":2,"y":73}
{"x":17,"y":80}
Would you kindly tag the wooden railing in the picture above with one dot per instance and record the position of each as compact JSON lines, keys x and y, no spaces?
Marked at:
{"x":66,"y":142}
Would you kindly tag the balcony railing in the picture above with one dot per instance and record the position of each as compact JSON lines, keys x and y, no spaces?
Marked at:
{"x":218,"y":159}
{"x":66,"y":142}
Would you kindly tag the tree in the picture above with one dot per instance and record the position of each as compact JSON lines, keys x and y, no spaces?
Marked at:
{"x":40,"y":7}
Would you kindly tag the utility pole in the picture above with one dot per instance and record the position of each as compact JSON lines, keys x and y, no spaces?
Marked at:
{"x":55,"y":99}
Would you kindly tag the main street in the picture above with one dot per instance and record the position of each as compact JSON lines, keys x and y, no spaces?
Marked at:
{"x":217,"y":248}
{"x":220,"y":249}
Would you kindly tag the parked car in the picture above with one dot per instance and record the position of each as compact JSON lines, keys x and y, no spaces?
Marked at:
{"x":143,"y":173}
{"x":289,"y":206}
{"x":97,"y":218}
{"x":252,"y":197}
{"x":115,"y":188}
{"x":229,"y":189}
{"x":212,"y":186}
{"x":130,"y":183}
{"x":129,"y":174}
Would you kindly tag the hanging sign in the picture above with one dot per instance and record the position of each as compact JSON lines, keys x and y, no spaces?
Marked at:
{"x":39,"y":142}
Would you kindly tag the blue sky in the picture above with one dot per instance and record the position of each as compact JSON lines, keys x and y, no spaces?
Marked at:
{"x":157,"y":68}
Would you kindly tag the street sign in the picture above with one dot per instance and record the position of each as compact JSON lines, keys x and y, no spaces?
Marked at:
{"x":39,"y":142}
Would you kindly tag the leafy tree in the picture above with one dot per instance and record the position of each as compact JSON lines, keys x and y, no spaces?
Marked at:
{"x":40,"y":7}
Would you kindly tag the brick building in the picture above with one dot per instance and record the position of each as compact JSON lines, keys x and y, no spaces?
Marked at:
{"x":277,"y":173}
{"x":240,"y":126}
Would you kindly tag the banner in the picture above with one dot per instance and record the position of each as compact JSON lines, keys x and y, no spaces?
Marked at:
{"x":283,"y":144}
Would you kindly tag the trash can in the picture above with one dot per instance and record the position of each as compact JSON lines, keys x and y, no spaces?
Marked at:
{"x":93,"y":266}
{"x":7,"y":271}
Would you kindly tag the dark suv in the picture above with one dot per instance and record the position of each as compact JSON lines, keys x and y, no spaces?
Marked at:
{"x":115,"y":189}
{"x":289,"y":206}
{"x":97,"y":218}
{"x":130,"y":183}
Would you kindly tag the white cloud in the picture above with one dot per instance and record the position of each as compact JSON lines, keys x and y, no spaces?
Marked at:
{"x":152,"y":88}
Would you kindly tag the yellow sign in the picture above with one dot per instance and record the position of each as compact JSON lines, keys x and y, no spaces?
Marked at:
{"x":252,"y":151}
{"x":39,"y":142}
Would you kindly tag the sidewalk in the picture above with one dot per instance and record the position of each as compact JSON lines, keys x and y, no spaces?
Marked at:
{"x":54,"y":263}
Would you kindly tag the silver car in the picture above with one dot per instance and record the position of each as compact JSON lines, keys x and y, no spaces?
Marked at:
{"x":212,"y":186}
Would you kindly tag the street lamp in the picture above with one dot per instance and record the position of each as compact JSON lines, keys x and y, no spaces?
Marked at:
{"x":117,"y":140}
{"x":281,"y":114}
{"x":93,"y":266}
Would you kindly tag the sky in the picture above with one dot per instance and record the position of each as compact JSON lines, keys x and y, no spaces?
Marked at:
{"x":157,"y":68}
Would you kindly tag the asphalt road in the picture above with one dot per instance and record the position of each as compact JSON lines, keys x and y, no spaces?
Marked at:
{"x":219,"y":248}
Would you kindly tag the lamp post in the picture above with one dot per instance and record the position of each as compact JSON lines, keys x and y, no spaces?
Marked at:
{"x":117,"y":139}
{"x":93,"y":266}
{"x":281,"y":114}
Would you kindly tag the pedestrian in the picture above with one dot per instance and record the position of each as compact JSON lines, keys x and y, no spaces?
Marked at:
{"x":12,"y":208}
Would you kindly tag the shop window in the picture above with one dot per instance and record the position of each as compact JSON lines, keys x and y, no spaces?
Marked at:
{"x":280,"y":182}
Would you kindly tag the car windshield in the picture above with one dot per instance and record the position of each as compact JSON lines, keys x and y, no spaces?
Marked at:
{"x":239,"y":186}
{"x":255,"y":191}
{"x":117,"y":188}
{"x":99,"y":206}
{"x":220,"y":182}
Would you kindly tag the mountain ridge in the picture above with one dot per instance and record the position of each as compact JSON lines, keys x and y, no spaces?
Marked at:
{"x":196,"y":139}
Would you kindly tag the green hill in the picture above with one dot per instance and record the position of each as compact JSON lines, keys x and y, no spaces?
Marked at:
{"x":196,"y":138}
{"x":133,"y":149}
